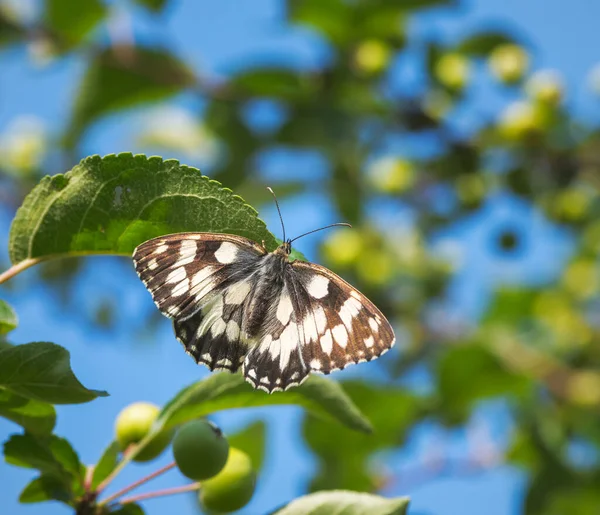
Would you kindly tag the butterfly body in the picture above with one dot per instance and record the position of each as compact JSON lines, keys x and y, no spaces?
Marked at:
{"x":236,"y":306}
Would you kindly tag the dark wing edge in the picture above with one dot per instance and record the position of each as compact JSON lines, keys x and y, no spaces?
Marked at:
{"x":348,"y":327}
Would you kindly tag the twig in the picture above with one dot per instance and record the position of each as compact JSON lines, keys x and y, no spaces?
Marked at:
{"x":140,"y":482}
{"x":160,"y":493}
{"x":18,"y":268}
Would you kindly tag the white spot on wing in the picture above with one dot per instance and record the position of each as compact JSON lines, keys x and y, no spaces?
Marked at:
{"x":284,"y":308}
{"x":320,"y":319}
{"x":369,"y":342}
{"x":176,"y":275}
{"x":288,"y":342}
{"x":206,"y":357}
{"x":315,"y":364}
{"x":237,"y":292}
{"x":373,"y":324}
{"x":340,"y":335}
{"x":233,"y":330}
{"x":223,"y":363}
{"x":188,"y":247}
{"x":226,"y":253}
{"x":161,"y":248}
{"x":251,"y":373}
{"x":218,"y":327}
{"x":318,"y":287}
{"x":181,"y":289}
{"x":201,"y":275}
{"x":326,"y":342}
{"x":153,"y":264}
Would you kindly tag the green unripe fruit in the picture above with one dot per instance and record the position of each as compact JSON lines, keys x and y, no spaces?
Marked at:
{"x":233,"y":487}
{"x":372,"y":56}
{"x":453,"y":70}
{"x":134,"y":423}
{"x":546,"y":87}
{"x":200,"y":450}
{"x":509,"y":63}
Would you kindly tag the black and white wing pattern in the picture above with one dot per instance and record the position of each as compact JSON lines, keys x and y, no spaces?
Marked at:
{"x":201,"y":281}
{"x":234,"y":305}
{"x":319,"y":323}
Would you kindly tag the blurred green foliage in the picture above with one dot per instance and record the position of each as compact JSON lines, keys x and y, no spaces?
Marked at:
{"x":536,"y":347}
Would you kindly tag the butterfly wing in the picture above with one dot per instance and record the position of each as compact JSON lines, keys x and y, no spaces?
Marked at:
{"x":202,"y":281}
{"x":320,"y":324}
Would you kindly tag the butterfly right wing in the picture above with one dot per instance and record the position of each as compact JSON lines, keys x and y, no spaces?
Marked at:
{"x":203,"y":282}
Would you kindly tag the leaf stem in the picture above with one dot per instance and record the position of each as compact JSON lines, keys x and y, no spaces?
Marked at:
{"x":160,"y":493}
{"x":18,"y":268}
{"x":127,"y":455}
{"x":140,"y":482}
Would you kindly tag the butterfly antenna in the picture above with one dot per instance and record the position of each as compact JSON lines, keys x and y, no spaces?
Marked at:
{"x":278,"y":210}
{"x":340,"y":224}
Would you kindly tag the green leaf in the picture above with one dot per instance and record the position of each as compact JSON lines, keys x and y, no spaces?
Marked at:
{"x":72,"y":20}
{"x":153,"y":5}
{"x":251,"y":440}
{"x":346,"y":502}
{"x":10,"y":32}
{"x":48,"y":454}
{"x":344,"y":455}
{"x":46,"y":488}
{"x":221,"y":391}
{"x":274,"y":83}
{"x":482,"y":44}
{"x":35,"y":416}
{"x":129,"y":509}
{"x":8,"y":318}
{"x":121,"y":77}
{"x":106,"y":464}
{"x":112,"y":204}
{"x":469,"y":373}
{"x":42,"y":371}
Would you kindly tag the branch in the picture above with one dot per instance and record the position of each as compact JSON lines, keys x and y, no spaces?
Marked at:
{"x":18,"y":268}
{"x":161,"y":493}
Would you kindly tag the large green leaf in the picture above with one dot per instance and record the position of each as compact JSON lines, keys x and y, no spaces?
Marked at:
{"x":61,"y":471}
{"x":42,"y":371}
{"x":344,"y":455}
{"x":251,"y":440}
{"x":482,"y":43}
{"x":112,"y":204}
{"x":106,"y":464}
{"x":70,"y":21}
{"x":221,"y":391}
{"x":35,"y":416}
{"x":8,"y":318}
{"x":121,"y":77}
{"x":345,"y":502}
{"x":46,"y":488}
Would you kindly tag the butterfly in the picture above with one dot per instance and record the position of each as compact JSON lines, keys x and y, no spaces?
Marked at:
{"x":237,"y":306}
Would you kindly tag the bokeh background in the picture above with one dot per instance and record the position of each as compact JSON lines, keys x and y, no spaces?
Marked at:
{"x":461,"y":140}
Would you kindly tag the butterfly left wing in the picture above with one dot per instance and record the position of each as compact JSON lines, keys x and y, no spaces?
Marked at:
{"x":320,"y":323}
{"x":202,"y":280}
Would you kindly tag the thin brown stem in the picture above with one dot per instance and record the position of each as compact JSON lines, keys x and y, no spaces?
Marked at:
{"x":18,"y":268}
{"x":161,"y":493}
{"x":140,"y":482}
{"x":121,"y":465}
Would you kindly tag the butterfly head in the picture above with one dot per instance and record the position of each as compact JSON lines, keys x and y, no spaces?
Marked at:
{"x":285,"y":249}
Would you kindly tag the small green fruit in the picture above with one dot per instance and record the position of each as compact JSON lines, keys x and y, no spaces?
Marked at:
{"x":200,"y":450}
{"x":233,"y":487}
{"x":509,"y":63}
{"x":134,"y":423}
{"x":372,"y":56}
{"x":453,"y":70}
{"x":546,"y":87}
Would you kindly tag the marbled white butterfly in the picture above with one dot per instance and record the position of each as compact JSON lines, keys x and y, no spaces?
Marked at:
{"x":235,"y":305}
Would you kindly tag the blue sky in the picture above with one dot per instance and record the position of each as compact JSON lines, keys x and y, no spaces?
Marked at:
{"x":219,"y":37}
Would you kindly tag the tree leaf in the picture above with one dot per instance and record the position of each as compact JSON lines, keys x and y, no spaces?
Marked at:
{"x":344,"y":456}
{"x":46,"y":488}
{"x":346,"y":502}
{"x":121,"y":77}
{"x":106,"y":464}
{"x":129,"y":509}
{"x":35,"y":416}
{"x":251,"y":440}
{"x":482,"y":43}
{"x":112,"y":204}
{"x":70,"y":21}
{"x":42,"y":371}
{"x":274,"y":83}
{"x":8,"y":318}
{"x":221,"y":391}
{"x":153,"y":5}
{"x":469,"y":373}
